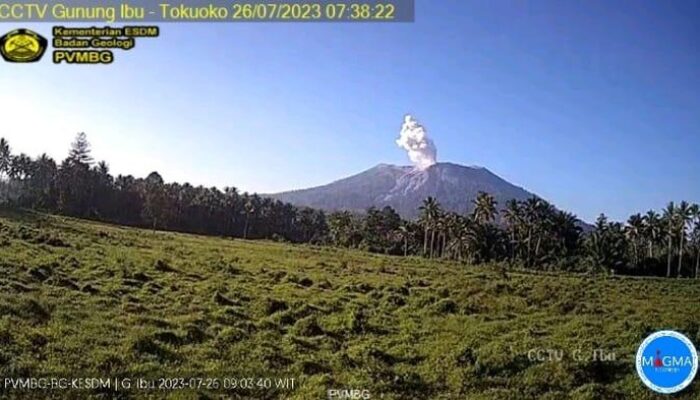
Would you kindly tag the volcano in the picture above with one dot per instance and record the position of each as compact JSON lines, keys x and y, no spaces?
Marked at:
{"x":404,"y":188}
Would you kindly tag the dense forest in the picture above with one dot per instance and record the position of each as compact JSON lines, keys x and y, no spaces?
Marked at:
{"x":532,"y":234}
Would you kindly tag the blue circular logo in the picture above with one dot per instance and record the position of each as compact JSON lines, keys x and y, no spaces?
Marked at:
{"x":667,"y":362}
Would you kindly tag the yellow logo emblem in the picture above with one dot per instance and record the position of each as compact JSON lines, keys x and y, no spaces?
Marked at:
{"x":22,"y":46}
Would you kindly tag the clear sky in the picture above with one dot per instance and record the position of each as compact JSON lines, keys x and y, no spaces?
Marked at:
{"x":594,"y":105}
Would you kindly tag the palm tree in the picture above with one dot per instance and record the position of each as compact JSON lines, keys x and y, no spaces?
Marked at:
{"x":531,"y":219}
{"x":20,"y":166}
{"x":435,"y":231}
{"x":695,"y":236}
{"x":669,"y":217}
{"x":5,"y":158}
{"x":441,"y":227}
{"x":545,"y":215}
{"x":461,"y":242}
{"x":607,"y":244}
{"x":5,"y":162}
{"x":403,"y":234}
{"x":633,"y":231}
{"x":453,"y":225}
{"x":567,"y":232}
{"x":230,"y":204}
{"x":249,"y":208}
{"x":512,"y":214}
{"x":430,"y":210}
{"x":484,"y":208}
{"x":652,"y":228}
{"x":684,"y":216}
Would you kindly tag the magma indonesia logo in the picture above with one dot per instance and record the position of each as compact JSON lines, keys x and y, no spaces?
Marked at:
{"x":667,"y":362}
{"x":22,"y":46}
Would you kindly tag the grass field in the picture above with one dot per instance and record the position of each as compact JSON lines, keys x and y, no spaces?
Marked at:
{"x":82,"y":299}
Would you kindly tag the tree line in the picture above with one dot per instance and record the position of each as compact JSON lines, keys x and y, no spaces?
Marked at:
{"x":530,"y":234}
{"x":80,"y":187}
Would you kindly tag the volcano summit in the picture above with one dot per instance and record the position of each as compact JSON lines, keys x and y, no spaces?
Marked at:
{"x":405,"y":187}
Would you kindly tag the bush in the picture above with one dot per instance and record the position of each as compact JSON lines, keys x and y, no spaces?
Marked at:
{"x":445,"y":306}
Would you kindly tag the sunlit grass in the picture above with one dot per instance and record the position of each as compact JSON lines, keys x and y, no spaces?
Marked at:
{"x":83,"y":299}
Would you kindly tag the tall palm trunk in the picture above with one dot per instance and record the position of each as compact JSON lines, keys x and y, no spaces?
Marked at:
{"x":529,"y":246}
{"x":680,"y":255}
{"x":697,"y":263}
{"x":432,"y":242}
{"x":425,"y":242}
{"x":245,"y":227}
{"x":405,"y":246}
{"x":438,"y":239}
{"x":668,"y":258}
{"x":444,"y":244}
{"x":537,"y":247}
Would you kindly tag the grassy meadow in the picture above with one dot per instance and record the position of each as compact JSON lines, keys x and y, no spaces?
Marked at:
{"x":82,"y":299}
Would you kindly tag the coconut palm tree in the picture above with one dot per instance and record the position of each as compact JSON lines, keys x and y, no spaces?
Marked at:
{"x":452,"y":226}
{"x":531,"y":218}
{"x":460,"y":245}
{"x":669,"y":218}
{"x":695,"y":236}
{"x":484,"y":208}
{"x":403,"y":233}
{"x":684,"y":216}
{"x":5,"y":162}
{"x":430,"y":210}
{"x":544,"y":222}
{"x":633,"y":231}
{"x":249,"y":208}
{"x":5,"y":158}
{"x":441,"y":232}
{"x":566,"y":233}
{"x":512,"y":214}
{"x":652,"y":230}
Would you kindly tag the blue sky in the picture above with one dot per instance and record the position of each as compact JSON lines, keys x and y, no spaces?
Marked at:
{"x":594,"y":105}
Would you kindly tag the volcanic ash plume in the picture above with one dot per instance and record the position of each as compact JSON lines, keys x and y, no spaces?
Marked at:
{"x":414,"y":139}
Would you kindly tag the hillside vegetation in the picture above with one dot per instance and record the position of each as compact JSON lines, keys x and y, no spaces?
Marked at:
{"x":82,"y":299}
{"x":528,"y":232}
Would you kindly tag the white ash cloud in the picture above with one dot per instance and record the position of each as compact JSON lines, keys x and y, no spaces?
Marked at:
{"x":414,"y":139}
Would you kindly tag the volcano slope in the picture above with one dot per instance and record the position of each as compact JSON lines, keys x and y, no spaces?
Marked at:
{"x":87,"y":300}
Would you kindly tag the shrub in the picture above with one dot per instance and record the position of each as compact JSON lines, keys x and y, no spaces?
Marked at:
{"x":445,"y":306}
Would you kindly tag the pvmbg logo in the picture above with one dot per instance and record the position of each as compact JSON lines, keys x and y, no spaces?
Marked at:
{"x":22,"y":46}
{"x":667,"y":362}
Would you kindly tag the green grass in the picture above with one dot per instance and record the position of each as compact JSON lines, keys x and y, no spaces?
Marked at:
{"x":82,"y":299}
